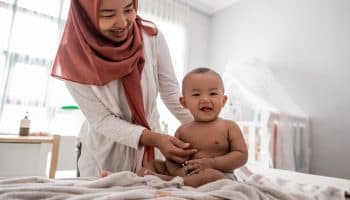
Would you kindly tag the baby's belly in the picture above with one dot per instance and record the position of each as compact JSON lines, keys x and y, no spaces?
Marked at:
{"x":201,"y":154}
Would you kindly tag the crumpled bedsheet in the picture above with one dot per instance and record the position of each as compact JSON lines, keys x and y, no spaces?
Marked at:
{"x":127,"y":185}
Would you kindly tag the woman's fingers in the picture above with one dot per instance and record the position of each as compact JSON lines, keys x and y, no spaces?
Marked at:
{"x":177,"y":159}
{"x":185,"y":152}
{"x":175,"y":150}
{"x":181,"y":155}
{"x":182,"y":148}
{"x":180,"y":144}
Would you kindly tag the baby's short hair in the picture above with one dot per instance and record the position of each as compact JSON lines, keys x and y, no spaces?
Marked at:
{"x":201,"y":70}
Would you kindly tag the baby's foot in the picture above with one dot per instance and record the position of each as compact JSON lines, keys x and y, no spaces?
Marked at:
{"x":105,"y":173}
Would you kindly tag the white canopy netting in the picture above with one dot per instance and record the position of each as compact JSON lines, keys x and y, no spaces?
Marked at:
{"x":251,"y":86}
{"x":256,"y":97}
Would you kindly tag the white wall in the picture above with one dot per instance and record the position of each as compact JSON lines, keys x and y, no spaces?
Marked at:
{"x":198,"y":40}
{"x":307,"y":44}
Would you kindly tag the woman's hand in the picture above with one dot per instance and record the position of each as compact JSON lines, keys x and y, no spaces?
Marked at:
{"x":174,"y":149}
{"x":171,"y":147}
{"x":196,"y":165}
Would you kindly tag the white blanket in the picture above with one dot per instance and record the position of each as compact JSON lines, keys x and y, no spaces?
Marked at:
{"x":127,"y":185}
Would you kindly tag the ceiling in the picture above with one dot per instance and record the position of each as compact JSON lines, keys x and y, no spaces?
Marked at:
{"x":209,"y":6}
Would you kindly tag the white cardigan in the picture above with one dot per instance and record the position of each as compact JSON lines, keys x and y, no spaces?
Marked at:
{"x":109,"y":140}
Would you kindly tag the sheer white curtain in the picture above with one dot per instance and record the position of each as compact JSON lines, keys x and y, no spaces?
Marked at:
{"x":30,"y":32}
{"x":29,"y":36}
{"x":170,"y":17}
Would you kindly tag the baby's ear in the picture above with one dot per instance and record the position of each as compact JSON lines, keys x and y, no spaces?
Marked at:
{"x":224,"y":100}
{"x":182,"y":101}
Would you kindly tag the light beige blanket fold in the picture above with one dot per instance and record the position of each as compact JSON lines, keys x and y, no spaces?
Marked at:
{"x":127,"y":185}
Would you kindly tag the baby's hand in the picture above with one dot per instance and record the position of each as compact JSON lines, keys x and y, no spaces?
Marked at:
{"x":196,"y":165}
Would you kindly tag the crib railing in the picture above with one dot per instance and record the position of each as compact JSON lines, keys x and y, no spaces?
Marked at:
{"x":278,"y":144}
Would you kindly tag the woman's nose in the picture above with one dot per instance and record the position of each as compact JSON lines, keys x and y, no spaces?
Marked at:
{"x":120,"y":21}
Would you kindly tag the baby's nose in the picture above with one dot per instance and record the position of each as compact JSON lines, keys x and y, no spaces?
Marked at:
{"x":204,"y":98}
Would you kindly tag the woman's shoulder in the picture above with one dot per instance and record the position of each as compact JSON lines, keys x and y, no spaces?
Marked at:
{"x":159,"y":37}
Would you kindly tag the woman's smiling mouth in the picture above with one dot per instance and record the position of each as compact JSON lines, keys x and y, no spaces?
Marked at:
{"x":117,"y":32}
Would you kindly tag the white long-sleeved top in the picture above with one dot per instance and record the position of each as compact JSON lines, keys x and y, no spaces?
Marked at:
{"x":109,"y":140}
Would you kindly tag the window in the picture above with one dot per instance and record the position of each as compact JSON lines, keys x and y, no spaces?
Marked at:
{"x":2,"y":71}
{"x":44,"y":7}
{"x":5,"y":22}
{"x":29,"y":36}
{"x":30,"y":32}
{"x":34,"y":35}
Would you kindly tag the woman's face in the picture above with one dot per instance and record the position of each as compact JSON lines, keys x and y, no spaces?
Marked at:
{"x":116,"y":18}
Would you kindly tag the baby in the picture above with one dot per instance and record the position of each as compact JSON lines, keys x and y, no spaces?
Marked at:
{"x":220,"y":144}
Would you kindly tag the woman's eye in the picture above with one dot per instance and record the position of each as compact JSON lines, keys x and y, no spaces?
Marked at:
{"x":107,"y":16}
{"x":128,"y":10}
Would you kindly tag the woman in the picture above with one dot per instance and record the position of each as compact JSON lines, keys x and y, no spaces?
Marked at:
{"x":114,"y":64}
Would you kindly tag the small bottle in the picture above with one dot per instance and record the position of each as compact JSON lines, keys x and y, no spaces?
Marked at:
{"x":24,"y":126}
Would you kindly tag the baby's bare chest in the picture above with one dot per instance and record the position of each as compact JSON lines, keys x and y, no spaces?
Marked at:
{"x":209,"y":141}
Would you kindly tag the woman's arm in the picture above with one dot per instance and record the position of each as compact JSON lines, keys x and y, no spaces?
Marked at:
{"x":168,"y":85}
{"x":101,"y":119}
{"x":171,"y":147}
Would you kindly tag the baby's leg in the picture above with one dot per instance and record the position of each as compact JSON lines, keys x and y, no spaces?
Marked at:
{"x":203,"y":177}
{"x":156,"y":166}
{"x":161,"y":176}
{"x":174,"y":169}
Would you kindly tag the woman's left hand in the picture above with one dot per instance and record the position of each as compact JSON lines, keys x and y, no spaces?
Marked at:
{"x":196,"y":165}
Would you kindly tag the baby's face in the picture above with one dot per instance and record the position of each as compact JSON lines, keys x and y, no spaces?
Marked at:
{"x":204,"y":96}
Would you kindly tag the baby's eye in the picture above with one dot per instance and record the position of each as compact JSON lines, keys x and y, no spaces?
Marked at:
{"x":213,"y":93}
{"x":195,"y":94}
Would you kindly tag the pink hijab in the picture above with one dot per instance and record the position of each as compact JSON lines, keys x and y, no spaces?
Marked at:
{"x":86,"y":57}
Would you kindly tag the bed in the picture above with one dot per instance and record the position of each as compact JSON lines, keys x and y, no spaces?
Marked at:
{"x":253,"y":183}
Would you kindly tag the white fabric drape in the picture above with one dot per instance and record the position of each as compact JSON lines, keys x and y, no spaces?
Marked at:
{"x":293,"y":143}
{"x":281,"y":136}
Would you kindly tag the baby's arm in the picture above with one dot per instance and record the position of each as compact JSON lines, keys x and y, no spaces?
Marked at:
{"x":238,"y":154}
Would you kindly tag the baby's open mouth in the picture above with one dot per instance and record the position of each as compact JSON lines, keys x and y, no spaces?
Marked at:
{"x":206,"y":109}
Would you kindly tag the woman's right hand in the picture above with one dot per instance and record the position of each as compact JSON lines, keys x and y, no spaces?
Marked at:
{"x":174,"y":149}
{"x":171,"y":147}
